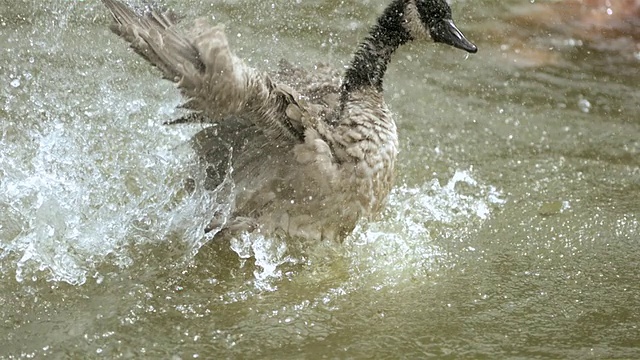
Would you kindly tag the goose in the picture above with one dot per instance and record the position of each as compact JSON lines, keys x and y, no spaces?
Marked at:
{"x":310,"y":155}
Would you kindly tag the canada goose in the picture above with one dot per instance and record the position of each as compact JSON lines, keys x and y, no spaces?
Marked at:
{"x":308,"y":163}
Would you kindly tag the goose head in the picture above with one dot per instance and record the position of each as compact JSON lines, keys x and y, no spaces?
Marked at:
{"x":432,"y":18}
{"x":402,"y":21}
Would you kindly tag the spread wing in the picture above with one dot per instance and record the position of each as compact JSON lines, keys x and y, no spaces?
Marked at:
{"x":216,"y":84}
{"x":253,"y":118}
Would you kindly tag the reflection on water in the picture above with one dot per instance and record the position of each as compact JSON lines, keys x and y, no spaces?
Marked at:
{"x":511,"y":232}
{"x":597,"y":34}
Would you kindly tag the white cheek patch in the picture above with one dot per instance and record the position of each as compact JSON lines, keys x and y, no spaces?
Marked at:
{"x":413,"y":24}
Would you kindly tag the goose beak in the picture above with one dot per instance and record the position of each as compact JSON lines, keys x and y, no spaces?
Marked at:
{"x":445,"y":31}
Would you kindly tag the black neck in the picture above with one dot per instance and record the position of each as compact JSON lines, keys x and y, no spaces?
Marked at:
{"x":370,"y":61}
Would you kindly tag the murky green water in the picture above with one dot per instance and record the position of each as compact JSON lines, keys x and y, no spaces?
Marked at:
{"x":512,"y":231}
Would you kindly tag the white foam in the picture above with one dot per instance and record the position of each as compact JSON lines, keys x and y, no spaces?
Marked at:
{"x":77,"y":189}
{"x":401,"y":245}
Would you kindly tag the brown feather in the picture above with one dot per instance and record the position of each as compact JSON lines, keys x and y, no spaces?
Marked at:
{"x":308,"y":154}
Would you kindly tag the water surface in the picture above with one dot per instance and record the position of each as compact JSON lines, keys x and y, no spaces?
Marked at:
{"x":511,"y":232}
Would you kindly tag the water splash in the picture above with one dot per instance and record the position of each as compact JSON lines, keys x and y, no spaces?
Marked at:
{"x":80,"y":183}
{"x":401,"y":246}
{"x":268,"y":253}
{"x":76,"y":204}
{"x":396,"y":249}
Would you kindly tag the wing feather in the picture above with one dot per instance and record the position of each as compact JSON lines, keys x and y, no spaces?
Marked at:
{"x":216,"y":83}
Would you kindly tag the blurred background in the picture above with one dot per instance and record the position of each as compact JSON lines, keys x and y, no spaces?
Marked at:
{"x":512,"y":231}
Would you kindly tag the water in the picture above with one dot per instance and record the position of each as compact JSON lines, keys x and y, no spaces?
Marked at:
{"x":512,"y":231}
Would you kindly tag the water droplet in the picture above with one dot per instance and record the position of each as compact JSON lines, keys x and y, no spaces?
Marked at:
{"x":584,"y":105}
